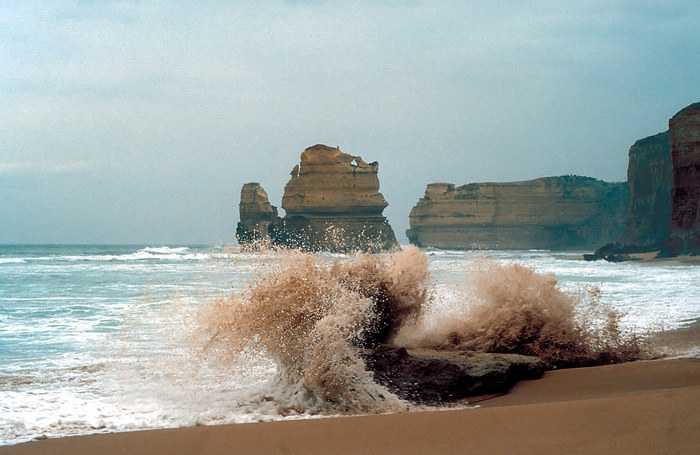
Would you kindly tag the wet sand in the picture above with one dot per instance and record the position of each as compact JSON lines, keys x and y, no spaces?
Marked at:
{"x":636,"y":408}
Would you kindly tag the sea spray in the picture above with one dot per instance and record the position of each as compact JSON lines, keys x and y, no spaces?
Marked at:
{"x":509,"y":308}
{"x":312,"y":316}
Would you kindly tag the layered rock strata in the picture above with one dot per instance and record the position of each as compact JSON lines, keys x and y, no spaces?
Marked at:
{"x":685,"y":195}
{"x":256,"y":214}
{"x":332,"y":203}
{"x":567,"y":212}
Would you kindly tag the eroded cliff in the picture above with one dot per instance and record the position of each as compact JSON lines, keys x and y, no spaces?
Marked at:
{"x":649,"y":181}
{"x":567,"y":212}
{"x":685,"y":195}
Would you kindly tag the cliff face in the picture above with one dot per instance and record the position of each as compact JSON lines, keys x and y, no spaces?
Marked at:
{"x":332,"y":203}
{"x":649,"y":181}
{"x":256,"y":214}
{"x":685,"y":195}
{"x":568,"y":212}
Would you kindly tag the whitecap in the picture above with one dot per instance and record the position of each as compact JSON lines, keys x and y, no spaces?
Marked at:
{"x":12,"y":261}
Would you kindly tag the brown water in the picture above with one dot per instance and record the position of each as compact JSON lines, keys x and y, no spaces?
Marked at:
{"x":312,"y":315}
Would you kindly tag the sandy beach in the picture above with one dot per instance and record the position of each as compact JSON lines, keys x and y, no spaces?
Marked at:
{"x":636,"y":408}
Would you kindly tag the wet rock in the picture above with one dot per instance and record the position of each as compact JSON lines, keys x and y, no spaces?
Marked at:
{"x":617,"y":253}
{"x":433,"y":377}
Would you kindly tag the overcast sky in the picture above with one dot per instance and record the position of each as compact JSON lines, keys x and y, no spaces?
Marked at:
{"x":138,"y":121}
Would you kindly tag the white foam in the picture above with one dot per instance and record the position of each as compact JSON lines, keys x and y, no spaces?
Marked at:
{"x":12,"y":260}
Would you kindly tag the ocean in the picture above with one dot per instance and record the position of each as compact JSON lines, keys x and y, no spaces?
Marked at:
{"x":104,"y":338}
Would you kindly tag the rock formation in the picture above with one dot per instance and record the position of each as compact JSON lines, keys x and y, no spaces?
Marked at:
{"x":685,"y":195}
{"x":567,"y":212}
{"x":332,"y":203}
{"x":432,"y":377}
{"x":649,"y":181}
{"x":664,"y":193}
{"x":256,"y":214}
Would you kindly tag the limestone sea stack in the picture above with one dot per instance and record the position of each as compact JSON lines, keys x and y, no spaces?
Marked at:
{"x":685,"y":195}
{"x":256,"y":214}
{"x":567,"y":212}
{"x":332,"y":203}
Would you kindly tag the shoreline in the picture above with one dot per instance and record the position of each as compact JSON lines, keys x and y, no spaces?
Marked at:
{"x":638,"y":407}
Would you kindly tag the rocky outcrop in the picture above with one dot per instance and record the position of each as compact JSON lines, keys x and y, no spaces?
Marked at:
{"x":433,"y":377}
{"x":567,"y":212}
{"x":685,"y":195}
{"x":649,"y":181}
{"x":664,"y":194}
{"x":256,"y":214}
{"x":332,"y":203}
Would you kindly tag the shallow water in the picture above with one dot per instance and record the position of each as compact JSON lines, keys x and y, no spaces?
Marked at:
{"x":105,"y":338}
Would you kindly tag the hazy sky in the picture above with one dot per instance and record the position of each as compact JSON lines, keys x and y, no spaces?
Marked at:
{"x":138,"y":121}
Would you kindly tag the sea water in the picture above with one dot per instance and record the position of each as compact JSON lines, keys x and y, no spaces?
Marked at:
{"x":107,"y":338}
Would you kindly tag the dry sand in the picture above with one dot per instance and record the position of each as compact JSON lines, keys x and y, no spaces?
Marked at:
{"x":635,"y":408}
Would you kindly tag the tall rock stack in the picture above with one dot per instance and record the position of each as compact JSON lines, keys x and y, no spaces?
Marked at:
{"x":685,"y":195}
{"x":256,"y":214}
{"x":332,"y":203}
{"x":649,"y":181}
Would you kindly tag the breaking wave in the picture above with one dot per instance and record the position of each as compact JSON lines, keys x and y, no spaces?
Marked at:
{"x":313,"y":316}
{"x":147,"y":253}
{"x":509,"y":308}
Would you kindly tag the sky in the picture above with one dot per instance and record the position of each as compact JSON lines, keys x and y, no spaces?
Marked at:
{"x":139,"y":121}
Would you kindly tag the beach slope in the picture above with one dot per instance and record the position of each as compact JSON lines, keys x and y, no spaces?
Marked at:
{"x":635,"y":408}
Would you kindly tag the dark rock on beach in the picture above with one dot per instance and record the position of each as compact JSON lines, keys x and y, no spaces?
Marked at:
{"x":432,"y":377}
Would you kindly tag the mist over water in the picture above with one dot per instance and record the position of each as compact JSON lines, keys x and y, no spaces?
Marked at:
{"x":96,"y":339}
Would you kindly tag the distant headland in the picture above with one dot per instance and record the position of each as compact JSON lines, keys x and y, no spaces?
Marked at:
{"x":558,"y":213}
